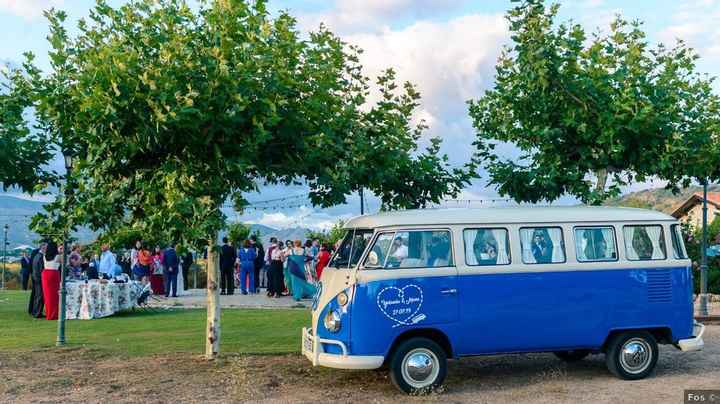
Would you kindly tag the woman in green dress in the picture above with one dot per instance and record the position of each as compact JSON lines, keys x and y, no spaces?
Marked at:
{"x":300,"y":286}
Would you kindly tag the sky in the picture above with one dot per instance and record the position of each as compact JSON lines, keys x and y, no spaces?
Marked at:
{"x":448,"y":48}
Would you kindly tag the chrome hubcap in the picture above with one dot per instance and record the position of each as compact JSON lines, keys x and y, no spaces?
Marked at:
{"x":635,"y":355}
{"x":420,"y":367}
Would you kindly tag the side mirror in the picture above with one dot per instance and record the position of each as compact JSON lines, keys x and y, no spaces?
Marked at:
{"x":372,"y":259}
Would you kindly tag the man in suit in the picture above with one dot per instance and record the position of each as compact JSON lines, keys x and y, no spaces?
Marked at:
{"x":259,"y":260}
{"x":170,"y":270}
{"x":26,"y":268}
{"x":227,"y":264}
{"x":37,"y":303}
{"x":187,"y":261}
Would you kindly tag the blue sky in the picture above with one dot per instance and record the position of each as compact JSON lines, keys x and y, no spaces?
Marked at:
{"x":447,"y":47}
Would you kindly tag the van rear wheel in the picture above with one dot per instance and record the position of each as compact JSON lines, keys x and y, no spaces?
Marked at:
{"x":572,"y":356}
{"x":631,"y":355}
{"x":418,"y":366}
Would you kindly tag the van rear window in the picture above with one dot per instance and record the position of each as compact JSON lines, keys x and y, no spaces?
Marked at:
{"x":486,"y":247}
{"x":542,"y":245}
{"x":677,"y":242}
{"x":644,"y":243}
{"x":595,"y":244}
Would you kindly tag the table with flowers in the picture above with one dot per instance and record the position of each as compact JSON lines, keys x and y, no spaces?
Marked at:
{"x":99,"y":298}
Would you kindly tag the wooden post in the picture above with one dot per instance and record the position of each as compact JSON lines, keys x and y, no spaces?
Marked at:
{"x":212,"y":343}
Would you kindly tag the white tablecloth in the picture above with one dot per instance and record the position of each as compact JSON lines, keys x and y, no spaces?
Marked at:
{"x":96,"y":299}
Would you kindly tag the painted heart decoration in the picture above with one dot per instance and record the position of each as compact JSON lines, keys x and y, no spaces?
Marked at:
{"x":400,"y":304}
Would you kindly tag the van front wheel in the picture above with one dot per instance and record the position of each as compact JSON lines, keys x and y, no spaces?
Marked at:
{"x":631,"y":355}
{"x":418,"y":366}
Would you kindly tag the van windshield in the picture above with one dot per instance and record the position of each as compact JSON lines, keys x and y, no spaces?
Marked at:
{"x":351,"y":248}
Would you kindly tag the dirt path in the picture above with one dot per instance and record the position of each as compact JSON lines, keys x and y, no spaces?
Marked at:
{"x":81,"y":375}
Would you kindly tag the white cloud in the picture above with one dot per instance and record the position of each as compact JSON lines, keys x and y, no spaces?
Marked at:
{"x":696,"y":23}
{"x":28,"y":9}
{"x":303,"y":217}
{"x":449,"y":62}
{"x":348,"y":16}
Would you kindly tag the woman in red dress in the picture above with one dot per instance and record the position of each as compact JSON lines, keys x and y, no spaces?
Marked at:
{"x":51,"y":280}
{"x":323,"y":259}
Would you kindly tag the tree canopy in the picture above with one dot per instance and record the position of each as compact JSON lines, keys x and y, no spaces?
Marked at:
{"x":180,"y":110}
{"x":24,"y":152}
{"x":237,"y":233}
{"x":590,"y":114}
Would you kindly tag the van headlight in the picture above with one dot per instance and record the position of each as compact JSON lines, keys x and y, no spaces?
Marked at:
{"x":332,"y":321}
{"x":342,"y":299}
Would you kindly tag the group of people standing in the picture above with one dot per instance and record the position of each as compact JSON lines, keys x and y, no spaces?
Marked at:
{"x":294,"y":268}
{"x":41,"y":271}
{"x":44,"y":267}
{"x":288,"y":268}
{"x":166,"y":262}
{"x":45,"y":264}
{"x":241,"y":265}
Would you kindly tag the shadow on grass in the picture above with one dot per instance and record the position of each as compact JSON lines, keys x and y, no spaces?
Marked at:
{"x":146,"y":313}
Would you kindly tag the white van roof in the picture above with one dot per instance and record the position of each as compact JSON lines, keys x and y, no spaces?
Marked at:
{"x":506,"y":215}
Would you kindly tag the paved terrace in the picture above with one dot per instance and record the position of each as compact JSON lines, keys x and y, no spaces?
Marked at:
{"x":197,"y":298}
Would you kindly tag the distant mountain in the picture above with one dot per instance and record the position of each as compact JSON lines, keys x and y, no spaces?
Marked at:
{"x":658,"y":199}
{"x":262,"y":229}
{"x":292,"y":233}
{"x":266,"y":232}
{"x":17,"y":213}
{"x":12,"y":203}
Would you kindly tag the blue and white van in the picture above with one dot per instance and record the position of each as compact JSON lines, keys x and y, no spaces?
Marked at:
{"x":408,"y":290}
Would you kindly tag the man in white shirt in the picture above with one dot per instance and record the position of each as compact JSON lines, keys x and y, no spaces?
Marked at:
{"x":134,"y":255}
{"x":107,"y":261}
{"x":400,"y":250}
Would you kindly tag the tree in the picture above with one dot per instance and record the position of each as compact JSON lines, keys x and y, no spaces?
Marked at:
{"x":238,"y":232}
{"x":331,"y":236}
{"x":28,"y":148}
{"x":590,"y":115}
{"x":23,"y":152}
{"x":180,"y":110}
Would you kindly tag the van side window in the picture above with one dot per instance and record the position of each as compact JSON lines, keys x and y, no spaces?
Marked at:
{"x":411,"y":249}
{"x":595,"y":244}
{"x":644,"y":242}
{"x":378,"y":253}
{"x":542,"y":245}
{"x":677,"y":242}
{"x":486,"y":247}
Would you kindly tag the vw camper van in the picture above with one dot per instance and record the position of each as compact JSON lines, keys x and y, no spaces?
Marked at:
{"x":409,"y":290}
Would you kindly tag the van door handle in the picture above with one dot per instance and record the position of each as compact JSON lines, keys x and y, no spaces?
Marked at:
{"x":448,"y":291}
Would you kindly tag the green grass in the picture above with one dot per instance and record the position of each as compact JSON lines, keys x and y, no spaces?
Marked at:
{"x":138,"y":333}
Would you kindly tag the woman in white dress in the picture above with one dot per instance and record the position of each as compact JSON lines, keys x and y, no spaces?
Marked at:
{"x":180,"y":281}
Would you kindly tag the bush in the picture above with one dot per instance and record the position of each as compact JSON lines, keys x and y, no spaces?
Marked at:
{"x":12,"y":276}
{"x":693,"y":244}
{"x":201,"y":269}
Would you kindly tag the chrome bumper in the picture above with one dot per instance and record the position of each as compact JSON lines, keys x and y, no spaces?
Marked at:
{"x":695,"y":343}
{"x":312,"y":349}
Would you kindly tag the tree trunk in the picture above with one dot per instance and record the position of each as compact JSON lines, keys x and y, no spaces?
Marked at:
{"x":602,"y":176}
{"x":212,"y":344}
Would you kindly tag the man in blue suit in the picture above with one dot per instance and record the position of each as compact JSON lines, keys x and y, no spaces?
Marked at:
{"x":170,"y":271}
